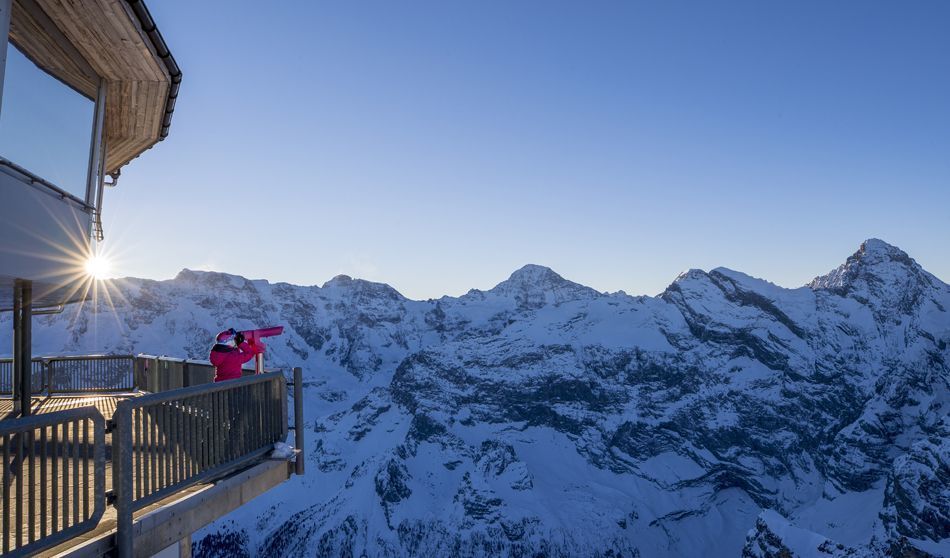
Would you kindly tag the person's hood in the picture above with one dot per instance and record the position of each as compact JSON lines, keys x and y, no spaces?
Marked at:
{"x":222,"y":348}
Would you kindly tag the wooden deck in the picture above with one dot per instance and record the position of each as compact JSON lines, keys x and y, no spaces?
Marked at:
{"x":79,"y":507}
{"x":106,"y":404}
{"x":52,"y":403}
{"x":220,"y":436}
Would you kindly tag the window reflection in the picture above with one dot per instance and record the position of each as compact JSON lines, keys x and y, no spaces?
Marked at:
{"x":45,"y":126}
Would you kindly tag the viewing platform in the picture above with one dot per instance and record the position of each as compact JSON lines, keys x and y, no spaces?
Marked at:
{"x":106,"y":454}
{"x":134,"y":453}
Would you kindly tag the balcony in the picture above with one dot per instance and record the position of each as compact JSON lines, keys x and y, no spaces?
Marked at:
{"x":134,"y":453}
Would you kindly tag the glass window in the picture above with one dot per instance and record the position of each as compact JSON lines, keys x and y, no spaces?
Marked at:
{"x":45,"y":126}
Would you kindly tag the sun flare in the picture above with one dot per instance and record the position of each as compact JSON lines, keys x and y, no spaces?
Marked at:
{"x":98,"y":267}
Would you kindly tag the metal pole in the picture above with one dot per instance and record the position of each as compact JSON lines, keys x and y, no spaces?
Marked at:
{"x":26,"y":349}
{"x":16,"y":370}
{"x":5,"y":8}
{"x":259,"y":363}
{"x":301,"y":460}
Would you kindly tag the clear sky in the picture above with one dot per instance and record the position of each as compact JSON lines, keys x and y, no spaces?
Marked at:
{"x":438,"y":146}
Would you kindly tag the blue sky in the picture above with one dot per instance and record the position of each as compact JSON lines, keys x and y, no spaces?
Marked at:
{"x":438,"y":146}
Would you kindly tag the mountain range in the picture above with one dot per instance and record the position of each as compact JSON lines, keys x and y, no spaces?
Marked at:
{"x":726,"y":416}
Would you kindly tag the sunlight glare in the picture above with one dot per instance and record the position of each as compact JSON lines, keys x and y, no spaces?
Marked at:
{"x":98,"y":267}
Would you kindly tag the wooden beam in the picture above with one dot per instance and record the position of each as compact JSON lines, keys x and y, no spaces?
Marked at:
{"x":168,"y":524}
{"x":35,"y":34}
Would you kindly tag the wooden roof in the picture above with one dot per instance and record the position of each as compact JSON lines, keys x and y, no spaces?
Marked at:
{"x":79,"y":41}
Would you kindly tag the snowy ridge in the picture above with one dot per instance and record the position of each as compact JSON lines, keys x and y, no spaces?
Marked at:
{"x":726,"y":417}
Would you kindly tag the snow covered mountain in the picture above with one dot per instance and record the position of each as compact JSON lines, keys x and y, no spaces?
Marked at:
{"x":725,"y":417}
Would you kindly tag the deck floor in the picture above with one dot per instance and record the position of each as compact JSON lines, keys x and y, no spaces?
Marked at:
{"x":52,"y":403}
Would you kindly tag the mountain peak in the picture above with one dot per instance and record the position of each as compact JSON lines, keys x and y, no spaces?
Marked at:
{"x":362,"y":287}
{"x":338,"y":281}
{"x":878,"y":246}
{"x":535,"y":274}
{"x":691,"y":274}
{"x":880,"y":275}
{"x":874,"y":251}
{"x":534,"y":286}
{"x":211,"y":278}
{"x":876,"y":260}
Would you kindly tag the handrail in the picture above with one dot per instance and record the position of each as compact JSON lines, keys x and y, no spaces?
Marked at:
{"x":165,"y":442}
{"x":55,"y":457}
{"x":99,"y":356}
{"x":180,"y":393}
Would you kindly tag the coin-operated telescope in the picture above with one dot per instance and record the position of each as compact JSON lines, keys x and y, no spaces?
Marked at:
{"x":254,"y":336}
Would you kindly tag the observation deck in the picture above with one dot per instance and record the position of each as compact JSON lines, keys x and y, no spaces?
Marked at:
{"x":106,"y":454}
{"x":131,"y":454}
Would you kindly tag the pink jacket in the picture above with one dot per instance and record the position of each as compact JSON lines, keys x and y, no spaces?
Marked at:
{"x":227,"y":360}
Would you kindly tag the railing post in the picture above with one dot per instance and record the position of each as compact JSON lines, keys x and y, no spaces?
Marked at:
{"x":122,"y":478}
{"x":49,"y":376}
{"x":300,"y":461}
{"x":284,"y":416}
{"x":46,"y":376}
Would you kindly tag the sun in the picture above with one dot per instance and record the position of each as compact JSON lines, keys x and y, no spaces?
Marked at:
{"x":98,"y":267}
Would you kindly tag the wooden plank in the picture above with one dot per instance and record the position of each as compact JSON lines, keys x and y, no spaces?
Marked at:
{"x":42,"y":41}
{"x":109,"y":38}
{"x":49,"y":404}
{"x":129,"y":128}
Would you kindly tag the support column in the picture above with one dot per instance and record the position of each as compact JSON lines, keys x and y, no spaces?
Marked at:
{"x":15,"y":381}
{"x":26,"y":349}
{"x":22,"y":346}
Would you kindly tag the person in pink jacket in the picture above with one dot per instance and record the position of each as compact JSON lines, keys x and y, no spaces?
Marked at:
{"x":229,"y":353}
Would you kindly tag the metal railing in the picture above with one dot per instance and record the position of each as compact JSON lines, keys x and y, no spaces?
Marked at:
{"x":167,"y":441}
{"x":155,"y":374}
{"x":38,"y":379}
{"x":85,"y":374}
{"x":74,"y":374}
{"x":53,"y":478}
{"x":103,"y":373}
